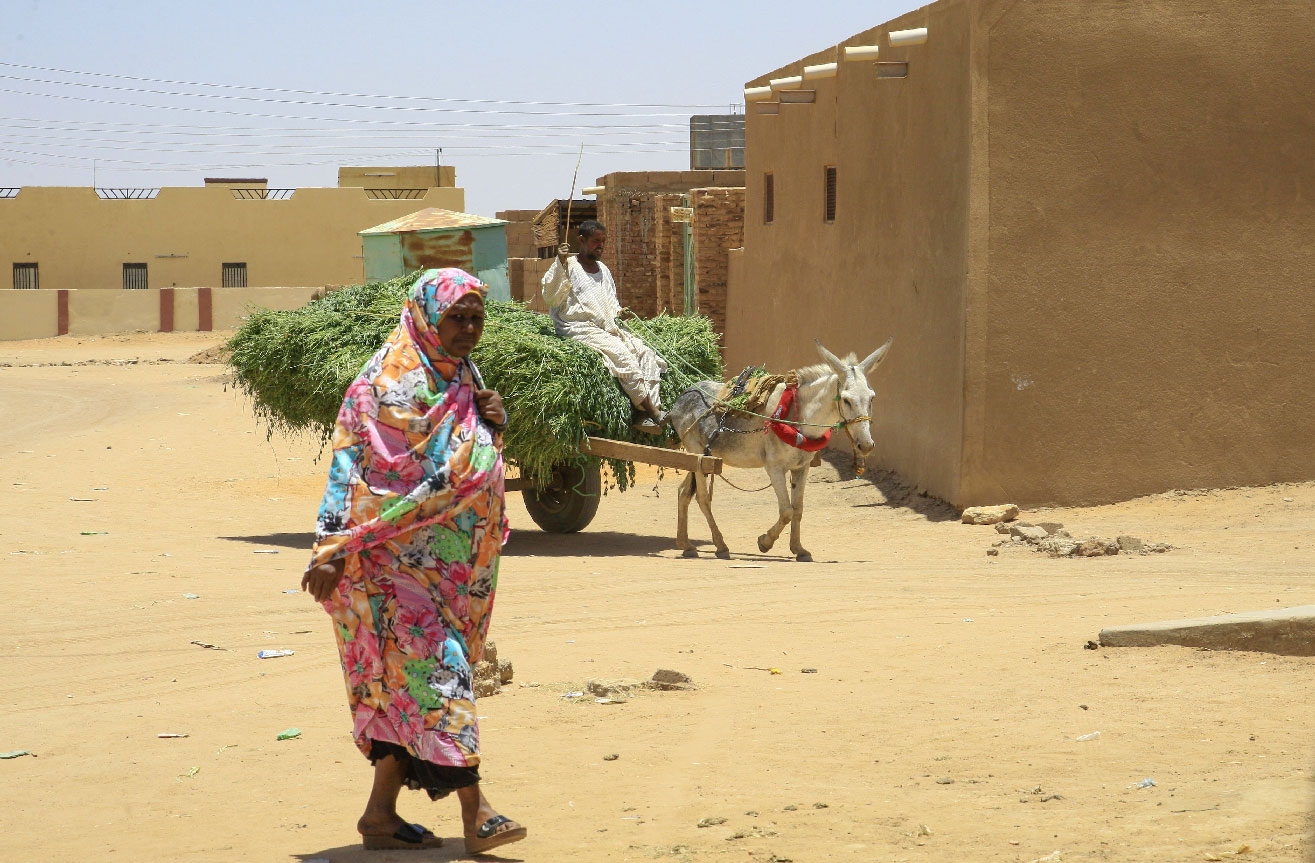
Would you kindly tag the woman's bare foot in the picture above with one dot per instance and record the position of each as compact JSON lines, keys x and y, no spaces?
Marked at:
{"x":380,"y":817}
{"x":382,"y":823}
{"x":476,"y":814}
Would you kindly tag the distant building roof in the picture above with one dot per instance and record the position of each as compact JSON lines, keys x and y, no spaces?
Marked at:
{"x":255,"y":181}
{"x":432,"y":219}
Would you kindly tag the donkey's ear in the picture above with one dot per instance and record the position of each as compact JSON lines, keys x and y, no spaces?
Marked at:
{"x":874,"y":359}
{"x":831,"y":359}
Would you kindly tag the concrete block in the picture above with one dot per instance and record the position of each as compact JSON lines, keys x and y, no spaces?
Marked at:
{"x":1285,"y":631}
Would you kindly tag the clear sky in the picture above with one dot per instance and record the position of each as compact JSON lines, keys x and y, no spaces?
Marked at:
{"x":147,"y":94}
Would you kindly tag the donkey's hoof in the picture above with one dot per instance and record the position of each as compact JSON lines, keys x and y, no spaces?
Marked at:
{"x":689,"y":552}
{"x":764,"y":544}
{"x":804,"y":557}
{"x":724,"y":553}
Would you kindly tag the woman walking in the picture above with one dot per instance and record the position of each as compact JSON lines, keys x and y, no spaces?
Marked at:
{"x":406,"y":559}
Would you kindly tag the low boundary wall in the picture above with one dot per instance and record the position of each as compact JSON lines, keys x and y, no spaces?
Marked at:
{"x":41,"y":314}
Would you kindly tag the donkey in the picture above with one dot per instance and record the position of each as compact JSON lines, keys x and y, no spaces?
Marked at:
{"x":831,"y":393}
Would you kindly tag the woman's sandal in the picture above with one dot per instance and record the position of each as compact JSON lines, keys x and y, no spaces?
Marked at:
{"x":410,"y":837}
{"x":489,"y":836}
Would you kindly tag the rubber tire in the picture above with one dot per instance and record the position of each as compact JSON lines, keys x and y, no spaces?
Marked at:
{"x":570,"y":503}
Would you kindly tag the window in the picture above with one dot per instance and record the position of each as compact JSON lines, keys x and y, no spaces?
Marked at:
{"x":830,"y":214}
{"x":769,"y":199}
{"x":235,"y":275}
{"x":134,"y":277}
{"x":25,"y":277}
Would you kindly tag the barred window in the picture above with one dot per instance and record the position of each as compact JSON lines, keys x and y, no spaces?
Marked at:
{"x":134,"y":277}
{"x":25,"y":277}
{"x":235,"y":275}
{"x":830,"y":193}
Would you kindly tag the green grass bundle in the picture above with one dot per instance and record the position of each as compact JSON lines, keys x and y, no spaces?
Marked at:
{"x":296,"y":365}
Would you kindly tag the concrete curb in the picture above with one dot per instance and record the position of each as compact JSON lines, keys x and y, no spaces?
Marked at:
{"x":1286,"y":631}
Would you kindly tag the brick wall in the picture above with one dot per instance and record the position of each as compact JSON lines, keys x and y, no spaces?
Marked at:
{"x":628,"y":216}
{"x":669,"y":254}
{"x":628,"y":210}
{"x":525,"y":276}
{"x":718,"y":228}
{"x":520,"y":233}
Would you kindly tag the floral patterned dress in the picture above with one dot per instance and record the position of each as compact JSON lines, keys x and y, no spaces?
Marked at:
{"x":414,"y":509}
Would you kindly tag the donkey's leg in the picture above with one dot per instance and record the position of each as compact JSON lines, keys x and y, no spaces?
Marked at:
{"x":798,"y":481}
{"x":682,"y":516}
{"x":777,"y":476}
{"x":703,"y":489}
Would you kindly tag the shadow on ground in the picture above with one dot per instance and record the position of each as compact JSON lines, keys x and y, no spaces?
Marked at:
{"x":453,"y":848}
{"x":896,"y":491}
{"x":299,"y":541}
{"x":586,"y":543}
{"x":524,"y":542}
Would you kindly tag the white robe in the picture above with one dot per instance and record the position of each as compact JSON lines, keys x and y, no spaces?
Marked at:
{"x":583,"y":306}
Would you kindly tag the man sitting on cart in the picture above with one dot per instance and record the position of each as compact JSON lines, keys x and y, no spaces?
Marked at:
{"x":581,"y":298}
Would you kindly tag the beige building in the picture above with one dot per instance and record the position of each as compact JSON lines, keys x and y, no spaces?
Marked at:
{"x":1087,"y":226}
{"x":231,"y":232}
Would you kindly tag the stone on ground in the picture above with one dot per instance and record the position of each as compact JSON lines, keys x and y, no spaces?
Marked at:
{"x":1285,"y":631}
{"x":618,"y":687}
{"x":669,"y":680}
{"x":989,"y":514}
{"x":1130,"y":544}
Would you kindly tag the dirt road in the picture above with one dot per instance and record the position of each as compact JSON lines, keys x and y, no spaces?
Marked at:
{"x":940,"y":724}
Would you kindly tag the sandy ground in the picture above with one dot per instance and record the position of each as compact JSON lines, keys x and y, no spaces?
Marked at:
{"x":934,"y":662}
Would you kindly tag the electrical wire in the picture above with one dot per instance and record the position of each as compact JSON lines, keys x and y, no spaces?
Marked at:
{"x":442,"y":99}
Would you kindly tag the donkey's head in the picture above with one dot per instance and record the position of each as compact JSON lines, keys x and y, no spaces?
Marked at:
{"x":854,"y":396}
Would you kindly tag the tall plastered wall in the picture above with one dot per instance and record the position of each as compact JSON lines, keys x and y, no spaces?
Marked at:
{"x":894,"y":260}
{"x":185,"y":234}
{"x":1087,"y":226}
{"x":1147,"y":313}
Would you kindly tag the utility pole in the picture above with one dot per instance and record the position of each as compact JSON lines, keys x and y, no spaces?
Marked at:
{"x":438,"y":167}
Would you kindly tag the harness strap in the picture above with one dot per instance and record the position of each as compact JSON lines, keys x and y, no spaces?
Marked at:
{"x":790,"y":433}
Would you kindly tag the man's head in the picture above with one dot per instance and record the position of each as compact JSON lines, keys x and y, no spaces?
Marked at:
{"x":593,"y":236}
{"x":462,"y":325}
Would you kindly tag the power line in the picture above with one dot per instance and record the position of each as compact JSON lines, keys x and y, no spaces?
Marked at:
{"x":437,"y":127}
{"x":194,"y":165}
{"x":329,"y":93}
{"x":302,"y":102}
{"x":177,"y":147}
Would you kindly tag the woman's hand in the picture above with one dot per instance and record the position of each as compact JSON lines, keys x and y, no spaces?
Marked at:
{"x":490,"y":407}
{"x":320,"y":581}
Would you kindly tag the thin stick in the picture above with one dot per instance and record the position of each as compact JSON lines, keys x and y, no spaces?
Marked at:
{"x":566,"y":229}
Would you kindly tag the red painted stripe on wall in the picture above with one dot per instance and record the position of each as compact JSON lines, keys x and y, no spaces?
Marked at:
{"x":205,"y":311}
{"x":166,"y":310}
{"x":61,"y":314}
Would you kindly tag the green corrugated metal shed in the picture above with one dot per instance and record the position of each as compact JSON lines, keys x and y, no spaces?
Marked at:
{"x":439,"y":238}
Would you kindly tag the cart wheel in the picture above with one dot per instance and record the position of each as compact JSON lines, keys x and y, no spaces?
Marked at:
{"x":569,"y":504}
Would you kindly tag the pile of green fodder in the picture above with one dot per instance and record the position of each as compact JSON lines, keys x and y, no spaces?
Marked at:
{"x":296,"y":365}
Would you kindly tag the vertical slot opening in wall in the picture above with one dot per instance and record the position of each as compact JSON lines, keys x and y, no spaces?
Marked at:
{"x":235,"y":275}
{"x":134,"y":277}
{"x":769,"y":198}
{"x":830,"y":193}
{"x":25,"y":277}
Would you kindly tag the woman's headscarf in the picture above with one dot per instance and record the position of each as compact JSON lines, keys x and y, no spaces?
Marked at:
{"x":409,"y":448}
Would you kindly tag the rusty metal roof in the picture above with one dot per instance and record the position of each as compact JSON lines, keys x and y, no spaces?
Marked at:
{"x":432,"y":219}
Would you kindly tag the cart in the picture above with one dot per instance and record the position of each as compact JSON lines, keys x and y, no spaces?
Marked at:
{"x":570,"y":501}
